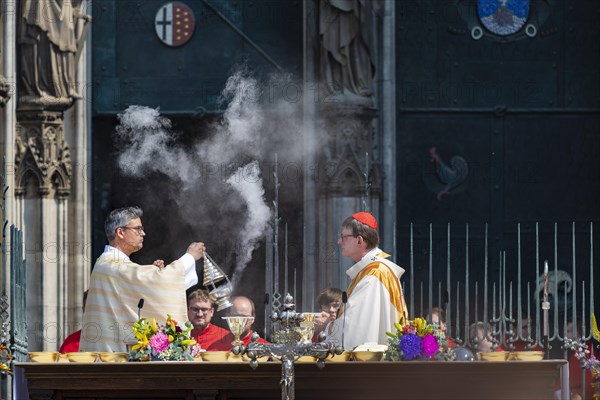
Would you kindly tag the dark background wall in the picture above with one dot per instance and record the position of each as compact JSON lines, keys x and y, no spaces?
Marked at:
{"x":131,"y":66}
{"x":524,"y":113}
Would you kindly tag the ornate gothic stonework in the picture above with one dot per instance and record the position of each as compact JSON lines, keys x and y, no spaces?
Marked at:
{"x":351,"y":141}
{"x":5,"y":91}
{"x":42,"y":153}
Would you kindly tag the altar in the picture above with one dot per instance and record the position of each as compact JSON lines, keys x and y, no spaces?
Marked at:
{"x":346,"y":380}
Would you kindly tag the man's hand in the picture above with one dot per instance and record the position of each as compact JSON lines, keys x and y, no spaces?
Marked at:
{"x":322,"y":320}
{"x":159,"y":263}
{"x":196,"y":249}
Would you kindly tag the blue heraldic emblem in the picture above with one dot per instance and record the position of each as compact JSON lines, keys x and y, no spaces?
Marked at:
{"x":503,"y":17}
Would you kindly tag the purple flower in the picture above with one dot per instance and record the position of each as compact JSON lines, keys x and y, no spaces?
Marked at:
{"x":430,"y":345}
{"x":410,"y":346}
{"x":159,"y":342}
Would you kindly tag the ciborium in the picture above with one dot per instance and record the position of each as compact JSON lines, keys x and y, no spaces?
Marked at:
{"x":214,"y":277}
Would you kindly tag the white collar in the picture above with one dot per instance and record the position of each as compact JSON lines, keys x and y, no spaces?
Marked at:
{"x":366,"y":260}
{"x":117,"y":254}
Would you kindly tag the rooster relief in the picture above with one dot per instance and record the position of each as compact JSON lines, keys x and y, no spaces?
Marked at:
{"x":451,"y":176}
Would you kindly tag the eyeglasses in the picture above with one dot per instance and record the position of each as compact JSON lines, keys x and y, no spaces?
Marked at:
{"x":342,"y":237}
{"x":139,"y":229}
{"x":196,"y":310}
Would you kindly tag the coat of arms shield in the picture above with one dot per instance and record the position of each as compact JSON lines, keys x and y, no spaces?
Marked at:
{"x":174,"y":23}
{"x":503,"y":17}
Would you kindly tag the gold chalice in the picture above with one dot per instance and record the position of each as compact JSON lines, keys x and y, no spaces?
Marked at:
{"x":237,"y":326}
{"x":307,"y":327}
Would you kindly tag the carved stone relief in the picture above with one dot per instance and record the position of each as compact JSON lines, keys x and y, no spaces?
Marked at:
{"x":42,"y":153}
{"x":349,"y":158}
{"x":5,"y":91}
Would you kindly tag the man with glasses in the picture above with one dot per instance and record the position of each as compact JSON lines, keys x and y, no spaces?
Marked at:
{"x":375,"y":299}
{"x":200,"y":312}
{"x":118,"y":285}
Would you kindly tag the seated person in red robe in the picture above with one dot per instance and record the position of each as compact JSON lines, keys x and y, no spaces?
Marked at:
{"x":242,"y":307}
{"x":200,"y":312}
{"x":71,"y":343}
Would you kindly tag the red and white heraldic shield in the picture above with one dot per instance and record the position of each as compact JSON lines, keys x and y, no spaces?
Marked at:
{"x":174,"y":23}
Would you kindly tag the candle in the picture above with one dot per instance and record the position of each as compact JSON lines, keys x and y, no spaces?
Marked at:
{"x":546,"y":267}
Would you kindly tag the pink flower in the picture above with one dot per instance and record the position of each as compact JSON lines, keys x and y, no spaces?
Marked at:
{"x":159,"y":342}
{"x":429,"y":345}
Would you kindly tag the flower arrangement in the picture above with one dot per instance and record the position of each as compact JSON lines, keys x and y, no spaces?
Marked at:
{"x":168,"y":342}
{"x":583,"y":353}
{"x":417,"y":339}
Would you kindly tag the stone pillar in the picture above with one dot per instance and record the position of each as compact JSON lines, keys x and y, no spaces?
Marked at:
{"x":8,"y":65}
{"x":56,"y":244}
{"x":388,"y":229}
{"x":349,"y":182}
{"x":348,"y":174}
{"x":42,"y":186}
{"x":310,"y":241}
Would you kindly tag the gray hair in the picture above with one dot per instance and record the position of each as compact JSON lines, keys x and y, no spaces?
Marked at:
{"x":120,"y":217}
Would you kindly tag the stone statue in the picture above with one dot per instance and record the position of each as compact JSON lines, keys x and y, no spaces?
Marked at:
{"x":5,"y":91}
{"x":345,"y":31}
{"x":49,"y":48}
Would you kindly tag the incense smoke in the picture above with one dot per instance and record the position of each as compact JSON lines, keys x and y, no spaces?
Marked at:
{"x":147,"y":143}
{"x":215,"y":182}
{"x":252,"y":191}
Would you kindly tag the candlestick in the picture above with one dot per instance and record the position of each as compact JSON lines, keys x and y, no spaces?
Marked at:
{"x":545,"y":308}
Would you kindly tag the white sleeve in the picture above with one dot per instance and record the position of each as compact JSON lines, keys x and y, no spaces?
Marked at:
{"x":191,"y":277}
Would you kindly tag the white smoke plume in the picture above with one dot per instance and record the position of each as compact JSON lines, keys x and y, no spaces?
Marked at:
{"x":239,"y":132}
{"x":258,"y":122}
{"x":148,"y":145}
{"x":248,"y":183}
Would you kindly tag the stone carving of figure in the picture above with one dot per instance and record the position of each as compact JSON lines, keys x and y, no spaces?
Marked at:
{"x":5,"y":91}
{"x":48,"y":50}
{"x":346,"y":43}
{"x":4,"y":85}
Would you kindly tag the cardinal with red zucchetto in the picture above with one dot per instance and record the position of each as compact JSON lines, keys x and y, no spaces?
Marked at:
{"x":375,"y":299}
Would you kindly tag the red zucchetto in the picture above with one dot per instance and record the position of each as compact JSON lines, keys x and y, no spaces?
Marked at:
{"x":366,"y":218}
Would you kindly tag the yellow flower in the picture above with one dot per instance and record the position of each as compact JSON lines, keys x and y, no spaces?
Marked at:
{"x":595,"y":330}
{"x":420,"y":324}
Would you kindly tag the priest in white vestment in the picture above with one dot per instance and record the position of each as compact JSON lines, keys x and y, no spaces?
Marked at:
{"x":375,"y":299}
{"x":117,"y":285}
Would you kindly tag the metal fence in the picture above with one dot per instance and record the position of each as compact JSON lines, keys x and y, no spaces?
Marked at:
{"x":12,"y":308}
{"x":498,"y":295}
